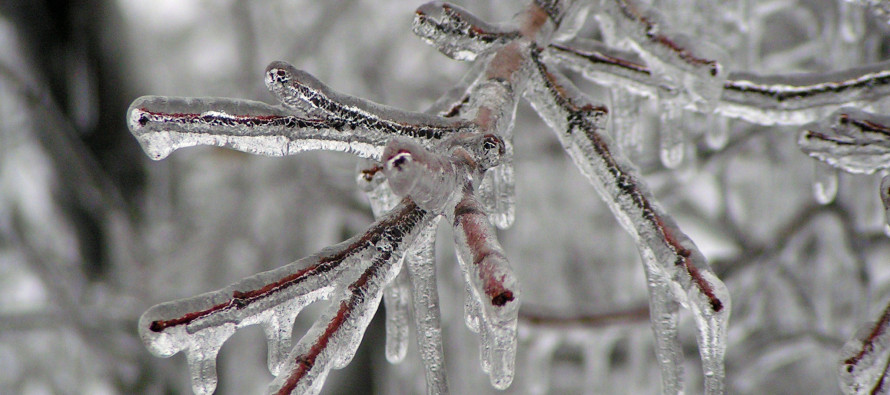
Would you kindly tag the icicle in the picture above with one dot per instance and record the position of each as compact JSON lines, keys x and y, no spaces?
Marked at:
{"x":201,"y":358}
{"x":539,"y":361}
{"x":472,"y":307}
{"x":625,"y":121}
{"x":421,"y":266}
{"x":279,"y":329}
{"x":825,"y":182}
{"x":664,"y":314}
{"x":712,"y":325}
{"x":672,"y":135}
{"x":717,"y":134}
{"x":395,"y":299}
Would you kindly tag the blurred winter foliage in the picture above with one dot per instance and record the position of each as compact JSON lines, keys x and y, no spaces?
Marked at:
{"x":92,"y":232}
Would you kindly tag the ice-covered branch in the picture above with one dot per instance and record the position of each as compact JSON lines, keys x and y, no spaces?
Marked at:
{"x":315,"y":118}
{"x":165,"y":124}
{"x":801,"y":98}
{"x":457,"y":33}
{"x":850,"y":140}
{"x":604,"y":65}
{"x":668,"y":254}
{"x":866,"y":359}
{"x":352,"y":272}
{"x":493,"y":289}
{"x":792,"y":99}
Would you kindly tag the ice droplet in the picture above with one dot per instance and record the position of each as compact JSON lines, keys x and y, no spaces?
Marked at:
{"x":717,"y":134}
{"x":825,"y":182}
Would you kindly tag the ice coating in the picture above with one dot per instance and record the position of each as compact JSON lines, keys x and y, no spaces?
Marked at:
{"x":428,"y":160}
{"x":851,"y":140}
{"x":802,"y":98}
{"x":492,"y":106}
{"x":457,"y":33}
{"x":301,"y":91}
{"x":397,"y":294}
{"x":865,"y":359}
{"x":605,"y":65}
{"x":668,"y":253}
{"x":165,"y":124}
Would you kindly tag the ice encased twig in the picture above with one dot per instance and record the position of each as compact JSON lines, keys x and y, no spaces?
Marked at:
{"x":851,"y":140}
{"x":865,"y":359}
{"x":492,"y":286}
{"x":200,"y":325}
{"x":457,"y":33}
{"x":674,"y":258}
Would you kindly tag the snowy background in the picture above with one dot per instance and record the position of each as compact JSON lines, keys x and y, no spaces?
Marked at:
{"x":92,"y":232}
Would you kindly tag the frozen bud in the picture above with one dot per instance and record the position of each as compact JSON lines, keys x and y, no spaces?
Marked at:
{"x":428,"y":179}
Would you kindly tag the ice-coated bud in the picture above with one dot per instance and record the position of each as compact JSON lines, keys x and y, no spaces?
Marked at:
{"x":428,"y":179}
